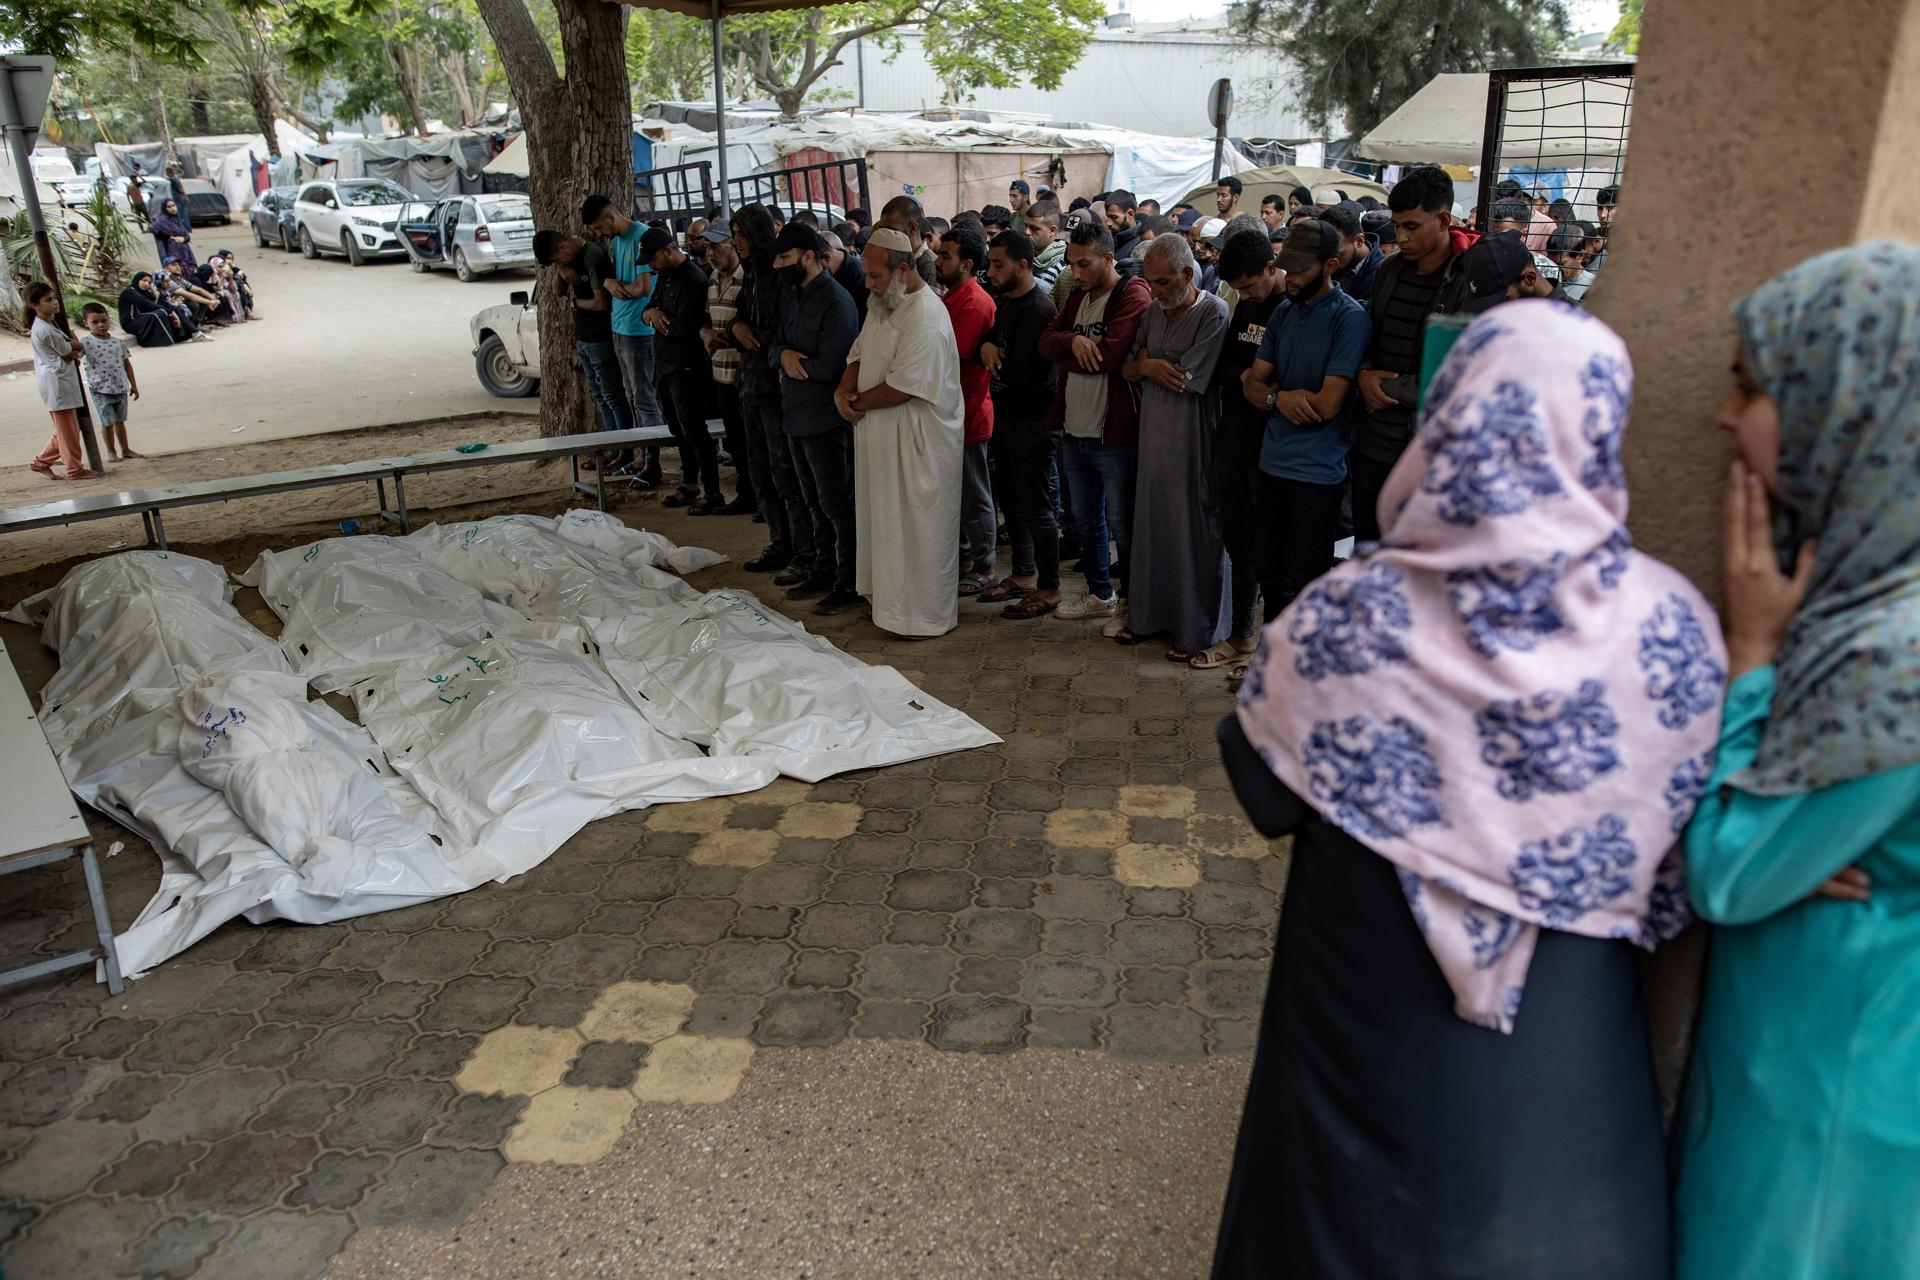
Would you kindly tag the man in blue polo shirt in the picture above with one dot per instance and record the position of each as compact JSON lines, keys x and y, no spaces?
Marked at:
{"x":1303,"y":378}
{"x":631,"y":288}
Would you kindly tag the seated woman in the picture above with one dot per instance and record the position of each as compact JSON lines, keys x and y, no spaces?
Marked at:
{"x":1799,"y":1142}
{"x":146,"y":317}
{"x":1483,"y":733}
{"x":173,"y":236}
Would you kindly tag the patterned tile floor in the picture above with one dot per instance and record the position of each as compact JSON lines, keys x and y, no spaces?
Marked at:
{"x":1090,"y":886}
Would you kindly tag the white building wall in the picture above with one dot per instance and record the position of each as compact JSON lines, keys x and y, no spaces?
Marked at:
{"x":1148,"y":82}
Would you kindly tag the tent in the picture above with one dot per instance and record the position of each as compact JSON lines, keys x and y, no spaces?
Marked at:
{"x":228,"y":160}
{"x":1575,"y":123}
{"x":1257,"y":184}
{"x":512,"y":159}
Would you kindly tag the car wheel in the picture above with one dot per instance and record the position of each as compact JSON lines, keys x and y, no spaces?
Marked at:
{"x":288,"y":241}
{"x":259,"y":238}
{"x":497,"y":373}
{"x":418,"y":265}
{"x":461,"y":268}
{"x":307,"y":247}
{"x":351,"y":247}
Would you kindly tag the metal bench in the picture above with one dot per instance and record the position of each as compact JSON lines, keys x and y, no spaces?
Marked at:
{"x":149,"y":504}
{"x":44,"y":824}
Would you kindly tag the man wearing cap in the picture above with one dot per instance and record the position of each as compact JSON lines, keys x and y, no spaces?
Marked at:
{"x":1359,"y":261}
{"x":963,"y":255}
{"x":816,"y":330}
{"x":1049,"y":250}
{"x":1019,"y":197}
{"x":901,"y":392}
{"x":1489,"y":274}
{"x":726,"y":275}
{"x":845,"y":270}
{"x":1206,"y":246}
{"x":678,"y":312}
{"x":1302,"y":378}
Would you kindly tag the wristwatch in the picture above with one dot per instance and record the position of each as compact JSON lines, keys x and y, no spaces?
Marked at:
{"x":1272,"y":397}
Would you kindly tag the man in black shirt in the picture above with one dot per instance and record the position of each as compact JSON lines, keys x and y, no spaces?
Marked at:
{"x":1122,"y":222}
{"x":1248,"y":265}
{"x":770,"y":461}
{"x":678,"y":313}
{"x":584,"y":269}
{"x":1023,"y":387}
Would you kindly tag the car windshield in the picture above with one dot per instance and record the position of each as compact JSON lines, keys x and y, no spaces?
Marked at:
{"x":507,"y":209}
{"x":361,"y":194}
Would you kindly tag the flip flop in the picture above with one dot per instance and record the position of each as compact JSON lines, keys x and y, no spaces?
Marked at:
{"x":1215,"y":656}
{"x":1127,"y":637}
{"x":1028,"y":608}
{"x":45,"y":471}
{"x":1005,"y":589}
{"x":978,"y":582}
{"x":1180,"y":655}
{"x":681,"y":497}
{"x":1237,"y":672}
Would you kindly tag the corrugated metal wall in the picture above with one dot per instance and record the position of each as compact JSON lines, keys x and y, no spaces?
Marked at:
{"x":1149,"y":83}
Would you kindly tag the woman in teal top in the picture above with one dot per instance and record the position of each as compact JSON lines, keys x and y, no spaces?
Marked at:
{"x":1800,"y":1140}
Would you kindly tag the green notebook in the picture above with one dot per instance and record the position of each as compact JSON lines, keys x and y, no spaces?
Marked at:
{"x":1442,"y":332}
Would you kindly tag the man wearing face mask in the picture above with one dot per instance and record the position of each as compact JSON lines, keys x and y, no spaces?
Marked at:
{"x":810,"y":347}
{"x":1303,"y":380}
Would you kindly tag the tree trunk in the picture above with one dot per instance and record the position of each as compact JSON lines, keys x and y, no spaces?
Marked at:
{"x":197,"y":102}
{"x":260,"y":97}
{"x":579,"y":140}
{"x":407,"y":76}
{"x":456,"y":65}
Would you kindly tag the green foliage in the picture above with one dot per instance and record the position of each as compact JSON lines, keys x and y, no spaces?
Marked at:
{"x":1360,"y":59}
{"x":1625,"y":36}
{"x":79,"y":284}
{"x":64,"y":28}
{"x":995,"y":45}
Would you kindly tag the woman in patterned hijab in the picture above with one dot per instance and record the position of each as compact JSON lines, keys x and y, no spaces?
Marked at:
{"x":1484,"y":733}
{"x":1801,"y":1134}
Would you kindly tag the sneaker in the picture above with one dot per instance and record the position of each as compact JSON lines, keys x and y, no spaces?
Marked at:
{"x":1117,"y":623}
{"x":770,"y":560}
{"x":202,"y":337}
{"x":796,"y":572}
{"x":810,"y":588}
{"x":838,"y":601}
{"x":1088,"y":606}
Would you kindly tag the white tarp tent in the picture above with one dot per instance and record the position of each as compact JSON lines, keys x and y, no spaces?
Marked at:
{"x":226,"y":161}
{"x":1575,"y":123}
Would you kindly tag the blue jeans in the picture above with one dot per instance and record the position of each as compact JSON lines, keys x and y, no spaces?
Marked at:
{"x":635,"y":352}
{"x":1100,"y":480}
{"x":602,"y":371}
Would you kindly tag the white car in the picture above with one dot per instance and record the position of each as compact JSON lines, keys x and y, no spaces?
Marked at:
{"x":354,"y":217}
{"x":506,"y":347}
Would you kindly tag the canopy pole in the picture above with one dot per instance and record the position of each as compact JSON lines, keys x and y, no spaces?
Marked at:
{"x":720,"y":110}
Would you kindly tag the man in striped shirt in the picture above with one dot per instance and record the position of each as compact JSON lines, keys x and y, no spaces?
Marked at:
{"x":1049,"y":248}
{"x":724,"y":278}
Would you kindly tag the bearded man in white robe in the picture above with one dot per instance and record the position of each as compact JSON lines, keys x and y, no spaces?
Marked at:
{"x":901,"y":392}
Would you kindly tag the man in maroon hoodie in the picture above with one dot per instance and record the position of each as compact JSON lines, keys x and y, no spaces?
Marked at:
{"x":1097,"y":412}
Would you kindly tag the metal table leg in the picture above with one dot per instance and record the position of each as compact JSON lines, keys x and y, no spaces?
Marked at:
{"x":146,"y":523}
{"x":400,"y":498}
{"x":101,"y":923}
{"x":159,"y":531}
{"x":380,"y":492}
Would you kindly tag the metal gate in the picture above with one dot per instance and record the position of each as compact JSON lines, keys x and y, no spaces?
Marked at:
{"x":1558,"y":130}
{"x":828,"y":188}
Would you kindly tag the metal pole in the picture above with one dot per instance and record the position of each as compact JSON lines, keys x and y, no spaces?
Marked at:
{"x":19,"y":136}
{"x":720,"y":109}
{"x":1219,"y":150}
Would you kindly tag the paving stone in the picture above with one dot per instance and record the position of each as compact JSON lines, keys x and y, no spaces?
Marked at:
{"x":413,"y":919}
{"x":475,"y":909}
{"x":1238,"y":871}
{"x":434,"y":1055}
{"x":690,"y":920}
{"x":1064,"y":1029}
{"x":338,"y":1179}
{"x":620,"y":919}
{"x":725,"y":1016}
{"x":292,"y":948}
{"x":1094,"y":863}
{"x":823,"y":969}
{"x":81,"y":1238}
{"x":1156,"y":865}
{"x":697,"y":816}
{"x":1017,"y":825}
{"x":127,"y":1097}
{"x":1158,"y":830}
{"x":931,"y":891}
{"x":841,"y":927}
{"x":1141,"y":985}
{"x":518,"y":1060}
{"x":211,"y":1105}
{"x":1079,"y":898}
{"x":186,"y":1042}
{"x":1230,"y":988}
{"x":1092,"y":771}
{"x":1247,"y":906}
{"x":245,"y":1172}
{"x":430,"y":1187}
{"x":556,"y":1006}
{"x":1156,"y":902}
{"x":693,"y":1069}
{"x":905,"y":971}
{"x":570,"y":1126}
{"x":967,"y":766}
{"x":606,"y":1064}
{"x":782,"y":884}
{"x":804,"y":850}
{"x":859,"y":887}
{"x":919,"y":928}
{"x":666,"y":964}
{"x":565,"y":873}
{"x":1000,"y":892}
{"x":806,"y":1018}
{"x":646,"y":879}
{"x":1008,"y":796}
{"x":511,"y":958}
{"x":884,"y":854}
{"x":742,"y":967}
{"x":321,"y":996}
{"x":990,"y":975}
{"x":891,"y":791}
{"x":474,"y":1003}
{"x":300,"y":1244}
{"x":389,"y":1115}
{"x":1002,"y":933}
{"x":44,"y":1091}
{"x":359,"y":1050}
{"x":437,"y":955}
{"x":891,"y":822}
{"x":1150,"y":1033}
{"x":109,"y":1038}
{"x":1155,"y":941}
{"x":759,"y":817}
{"x":1069,"y":981}
{"x":712,"y":881}
{"x":302,"y":1107}
{"x":149,"y":1169}
{"x":735,"y":847}
{"x":1237,"y":944}
{"x":1229,"y":1037}
{"x":893,"y":1019}
{"x":363,"y":949}
{"x":14,"y":1219}
{"x":544,"y":918}
{"x":477,"y":1120}
{"x":1011,"y":857}
{"x":402,"y":1000}
{"x":764,"y":922}
{"x":978,"y":1024}
{"x":939,"y":854}
{"x":175,"y":1248}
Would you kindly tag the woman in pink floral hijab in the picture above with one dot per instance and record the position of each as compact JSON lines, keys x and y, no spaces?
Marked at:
{"x":1484,"y":732}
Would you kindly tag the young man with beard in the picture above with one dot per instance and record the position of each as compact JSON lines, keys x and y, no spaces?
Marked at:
{"x":1359,"y":261}
{"x":678,"y":313}
{"x":1049,"y":250}
{"x":963,"y":253}
{"x":1019,"y":197}
{"x":789,"y":550}
{"x":903,"y":214}
{"x":585,"y":269}
{"x":1226,"y":196}
{"x":1097,"y":412}
{"x":630,"y":287}
{"x":1121,"y":217}
{"x":1302,"y":379}
{"x":1024,"y":473}
{"x":725,"y":278}
{"x":1247,"y":264}
{"x":817,"y":328}
{"x":901,"y":392}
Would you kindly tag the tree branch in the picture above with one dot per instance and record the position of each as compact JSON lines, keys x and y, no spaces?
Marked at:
{"x":523,"y":52}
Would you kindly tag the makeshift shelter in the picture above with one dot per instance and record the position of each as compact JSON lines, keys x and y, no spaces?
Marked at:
{"x":1257,"y":184}
{"x":1576,"y":123}
{"x":239,"y":164}
{"x":433,"y":168}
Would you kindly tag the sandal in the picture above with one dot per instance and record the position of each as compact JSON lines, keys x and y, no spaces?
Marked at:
{"x":972,"y":584}
{"x":1005,"y":589}
{"x":681,"y":497}
{"x":1237,"y":672}
{"x":1218,"y":655}
{"x":1029,"y":607}
{"x":1181,"y":655}
{"x":46,"y":471}
{"x":707,"y":507}
{"x":1124,"y":636}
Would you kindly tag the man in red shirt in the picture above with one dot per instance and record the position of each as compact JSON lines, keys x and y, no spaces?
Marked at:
{"x":963,"y":252}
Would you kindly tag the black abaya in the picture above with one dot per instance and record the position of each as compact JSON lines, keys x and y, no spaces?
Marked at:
{"x":1385,"y":1138}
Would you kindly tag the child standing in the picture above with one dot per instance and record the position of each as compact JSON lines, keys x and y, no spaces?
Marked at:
{"x":55,"y":362}
{"x":109,"y":373}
